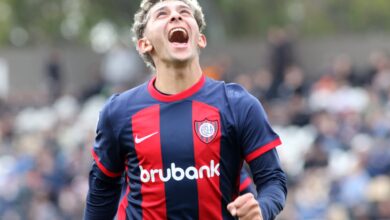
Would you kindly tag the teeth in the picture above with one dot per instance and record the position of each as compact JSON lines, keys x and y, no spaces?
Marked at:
{"x":178,"y":29}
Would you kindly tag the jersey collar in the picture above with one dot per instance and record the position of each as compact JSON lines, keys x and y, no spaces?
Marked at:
{"x":176,"y":97}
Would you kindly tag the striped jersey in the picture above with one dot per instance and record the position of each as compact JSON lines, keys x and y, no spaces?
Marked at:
{"x":181,"y":155}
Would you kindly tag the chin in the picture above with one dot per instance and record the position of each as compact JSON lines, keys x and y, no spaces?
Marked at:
{"x":183,"y":58}
{"x":180,"y":62}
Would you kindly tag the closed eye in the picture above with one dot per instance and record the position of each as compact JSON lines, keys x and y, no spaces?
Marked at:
{"x":185,"y":11}
{"x":161,"y":14}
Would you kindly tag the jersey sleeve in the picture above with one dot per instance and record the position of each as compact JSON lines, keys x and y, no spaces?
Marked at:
{"x":271,"y":184}
{"x":106,"y":150}
{"x":254,"y":133}
{"x":246,"y":183}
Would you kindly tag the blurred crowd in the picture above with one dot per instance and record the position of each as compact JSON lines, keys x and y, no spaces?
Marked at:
{"x":335,"y":129}
{"x":336,"y":137}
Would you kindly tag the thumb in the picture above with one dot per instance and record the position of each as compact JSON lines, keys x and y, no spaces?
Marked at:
{"x":232,"y":209}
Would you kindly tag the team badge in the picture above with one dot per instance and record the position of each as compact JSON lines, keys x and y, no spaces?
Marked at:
{"x":206,"y":130}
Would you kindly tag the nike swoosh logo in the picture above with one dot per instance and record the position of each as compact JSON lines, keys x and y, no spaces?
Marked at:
{"x":139,"y":140}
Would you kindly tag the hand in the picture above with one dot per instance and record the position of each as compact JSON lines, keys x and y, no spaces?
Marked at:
{"x":245,"y":207}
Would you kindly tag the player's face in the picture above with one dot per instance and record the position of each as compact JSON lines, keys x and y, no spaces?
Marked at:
{"x":171,"y":34}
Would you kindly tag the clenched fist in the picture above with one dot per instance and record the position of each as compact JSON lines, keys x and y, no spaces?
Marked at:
{"x":245,"y":207}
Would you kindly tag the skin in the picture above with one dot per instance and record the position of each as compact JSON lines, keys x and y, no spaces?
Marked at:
{"x":177,"y":65}
{"x":245,"y":207}
{"x":178,"y":68}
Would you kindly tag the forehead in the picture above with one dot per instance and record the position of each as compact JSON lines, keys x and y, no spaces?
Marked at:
{"x":168,"y":4}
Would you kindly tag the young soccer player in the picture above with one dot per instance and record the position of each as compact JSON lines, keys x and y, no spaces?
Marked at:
{"x":179,"y":140}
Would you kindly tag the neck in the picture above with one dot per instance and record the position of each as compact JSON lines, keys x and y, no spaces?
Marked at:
{"x":175,"y":78}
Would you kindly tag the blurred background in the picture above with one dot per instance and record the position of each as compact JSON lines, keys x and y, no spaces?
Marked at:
{"x":321,"y":68}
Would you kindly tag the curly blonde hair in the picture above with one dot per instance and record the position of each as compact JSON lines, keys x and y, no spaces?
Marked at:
{"x":141,"y":19}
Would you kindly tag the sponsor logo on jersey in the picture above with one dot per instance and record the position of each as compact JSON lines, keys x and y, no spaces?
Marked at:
{"x":138,"y":140}
{"x":206,"y":130}
{"x":178,"y":173}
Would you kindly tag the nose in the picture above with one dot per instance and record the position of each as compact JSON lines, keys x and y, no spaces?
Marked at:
{"x":175,"y":16}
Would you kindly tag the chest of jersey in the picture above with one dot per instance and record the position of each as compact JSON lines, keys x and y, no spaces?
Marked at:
{"x":178,"y":147}
{"x":184,"y":134}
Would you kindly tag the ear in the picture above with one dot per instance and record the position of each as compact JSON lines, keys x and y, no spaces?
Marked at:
{"x":144,"y":45}
{"x":202,"y":41}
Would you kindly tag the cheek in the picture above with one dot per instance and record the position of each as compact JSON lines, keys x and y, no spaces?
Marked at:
{"x":157,"y":40}
{"x":156,"y":33}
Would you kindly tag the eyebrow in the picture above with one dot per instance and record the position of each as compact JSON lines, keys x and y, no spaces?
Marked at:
{"x":162,"y":8}
{"x":184,"y":7}
{"x":150,"y":13}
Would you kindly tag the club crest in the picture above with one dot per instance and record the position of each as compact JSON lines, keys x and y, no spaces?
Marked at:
{"x":206,"y":130}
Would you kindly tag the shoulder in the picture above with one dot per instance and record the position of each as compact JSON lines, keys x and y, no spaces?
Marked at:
{"x":239,"y":96}
{"x":212,"y":84}
{"x":119,"y":107}
{"x":245,"y":106}
{"x":232,"y":91}
{"x":122,"y":101}
{"x":235,"y":90}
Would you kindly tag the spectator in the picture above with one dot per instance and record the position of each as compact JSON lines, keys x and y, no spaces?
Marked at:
{"x":280,"y":54}
{"x":54,"y":76}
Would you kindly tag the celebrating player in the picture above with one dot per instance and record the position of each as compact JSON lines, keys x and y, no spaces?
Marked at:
{"x":180,"y":139}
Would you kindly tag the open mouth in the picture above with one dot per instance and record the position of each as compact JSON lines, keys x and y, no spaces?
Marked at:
{"x":178,"y":35}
